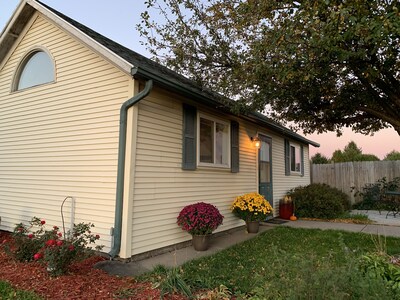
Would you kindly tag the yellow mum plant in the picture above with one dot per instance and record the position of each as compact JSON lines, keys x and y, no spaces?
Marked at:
{"x":251,"y":207}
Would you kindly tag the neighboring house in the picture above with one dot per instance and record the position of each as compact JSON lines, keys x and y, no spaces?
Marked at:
{"x":62,"y":86}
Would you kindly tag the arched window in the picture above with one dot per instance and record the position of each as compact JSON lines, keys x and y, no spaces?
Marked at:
{"x":36,"y":69}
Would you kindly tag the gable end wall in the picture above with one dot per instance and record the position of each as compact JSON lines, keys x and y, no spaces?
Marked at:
{"x":60,"y":139}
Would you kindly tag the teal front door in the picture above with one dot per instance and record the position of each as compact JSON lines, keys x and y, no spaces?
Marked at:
{"x":265,"y":169}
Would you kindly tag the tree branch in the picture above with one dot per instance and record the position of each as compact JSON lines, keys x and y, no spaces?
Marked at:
{"x":395,"y":122}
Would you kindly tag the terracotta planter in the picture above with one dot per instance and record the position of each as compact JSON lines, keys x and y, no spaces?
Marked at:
{"x":252,"y":226}
{"x":201,"y":242}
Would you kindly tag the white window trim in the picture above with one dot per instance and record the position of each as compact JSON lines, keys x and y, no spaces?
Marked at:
{"x":214,"y":119}
{"x":21,"y":66}
{"x":297,"y":146}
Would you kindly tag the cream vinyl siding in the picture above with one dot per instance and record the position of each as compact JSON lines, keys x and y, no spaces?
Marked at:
{"x":60,"y":139}
{"x":162,"y":188}
{"x":281,"y":183}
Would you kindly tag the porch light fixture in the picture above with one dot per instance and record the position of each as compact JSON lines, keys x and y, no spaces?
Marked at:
{"x":256,"y":141}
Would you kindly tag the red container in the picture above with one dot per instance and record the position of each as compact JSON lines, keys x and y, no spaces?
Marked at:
{"x":285,"y":210}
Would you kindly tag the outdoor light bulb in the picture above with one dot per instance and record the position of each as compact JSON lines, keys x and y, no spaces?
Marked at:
{"x":256,"y":141}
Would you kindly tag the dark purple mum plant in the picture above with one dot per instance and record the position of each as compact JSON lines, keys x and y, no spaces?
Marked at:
{"x":200,"y":218}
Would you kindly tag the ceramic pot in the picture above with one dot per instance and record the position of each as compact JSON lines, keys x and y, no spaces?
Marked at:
{"x":201,"y":242}
{"x":252,"y":226}
{"x":285,"y":210}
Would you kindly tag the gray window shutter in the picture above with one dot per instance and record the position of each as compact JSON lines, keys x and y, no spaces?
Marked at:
{"x":189,"y":138}
{"x":287,"y":157}
{"x":234,"y":147}
{"x":302,"y":160}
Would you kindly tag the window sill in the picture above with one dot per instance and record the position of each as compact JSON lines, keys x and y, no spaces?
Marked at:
{"x":295,"y":174}
{"x":14,"y":91}
{"x":213,"y":167}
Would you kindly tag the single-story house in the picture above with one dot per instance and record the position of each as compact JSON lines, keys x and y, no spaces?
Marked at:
{"x":127,"y":142}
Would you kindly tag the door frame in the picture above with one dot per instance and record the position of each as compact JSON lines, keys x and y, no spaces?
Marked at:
{"x":267,"y":139}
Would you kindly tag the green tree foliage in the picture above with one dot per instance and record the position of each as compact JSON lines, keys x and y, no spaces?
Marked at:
{"x":319,"y":158}
{"x":393,"y":155}
{"x":338,"y":156}
{"x":368,"y":157}
{"x":322,"y":64}
{"x":352,"y":153}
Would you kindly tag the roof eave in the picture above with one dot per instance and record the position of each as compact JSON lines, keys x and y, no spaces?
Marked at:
{"x":283,"y":130}
{"x":195,"y":95}
{"x":13,"y":28}
{"x":171,"y":85}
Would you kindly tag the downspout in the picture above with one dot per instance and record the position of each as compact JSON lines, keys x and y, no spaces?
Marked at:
{"x":116,"y":246}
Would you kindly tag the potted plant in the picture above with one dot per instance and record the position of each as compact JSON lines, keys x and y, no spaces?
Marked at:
{"x":286,"y":207}
{"x":200,"y":220}
{"x":252,"y":208}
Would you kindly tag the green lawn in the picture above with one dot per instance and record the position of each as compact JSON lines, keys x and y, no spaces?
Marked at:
{"x":7,"y":292}
{"x":288,"y":263}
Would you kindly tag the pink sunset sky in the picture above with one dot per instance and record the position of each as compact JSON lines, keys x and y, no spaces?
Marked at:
{"x":379,"y":144}
{"x":117,"y":19}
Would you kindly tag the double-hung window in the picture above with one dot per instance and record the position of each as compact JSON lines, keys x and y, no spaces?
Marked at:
{"x":213,"y":142}
{"x":209,"y":141}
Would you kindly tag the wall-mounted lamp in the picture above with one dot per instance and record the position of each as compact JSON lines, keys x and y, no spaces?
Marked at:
{"x":256,"y":141}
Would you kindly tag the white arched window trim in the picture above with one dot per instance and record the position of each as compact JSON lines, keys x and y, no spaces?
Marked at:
{"x":22,"y":64}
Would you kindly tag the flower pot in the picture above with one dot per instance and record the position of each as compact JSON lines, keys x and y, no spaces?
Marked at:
{"x":285,"y":210}
{"x":201,"y":242}
{"x":252,"y":226}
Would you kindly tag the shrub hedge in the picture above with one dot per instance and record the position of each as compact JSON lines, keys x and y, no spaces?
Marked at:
{"x":319,"y":201}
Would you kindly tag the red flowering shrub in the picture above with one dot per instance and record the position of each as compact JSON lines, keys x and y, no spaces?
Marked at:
{"x":33,"y":242}
{"x":200,"y":218}
{"x":28,"y":240}
{"x":60,"y":252}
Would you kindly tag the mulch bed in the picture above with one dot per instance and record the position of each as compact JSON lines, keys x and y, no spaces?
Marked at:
{"x":82,"y":281}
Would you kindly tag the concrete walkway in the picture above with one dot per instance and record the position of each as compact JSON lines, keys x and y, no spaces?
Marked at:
{"x":380,"y":217}
{"x":383,"y":230}
{"x":383,"y":227}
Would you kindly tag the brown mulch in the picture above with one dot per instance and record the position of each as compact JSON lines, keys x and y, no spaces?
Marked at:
{"x":82,"y":281}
